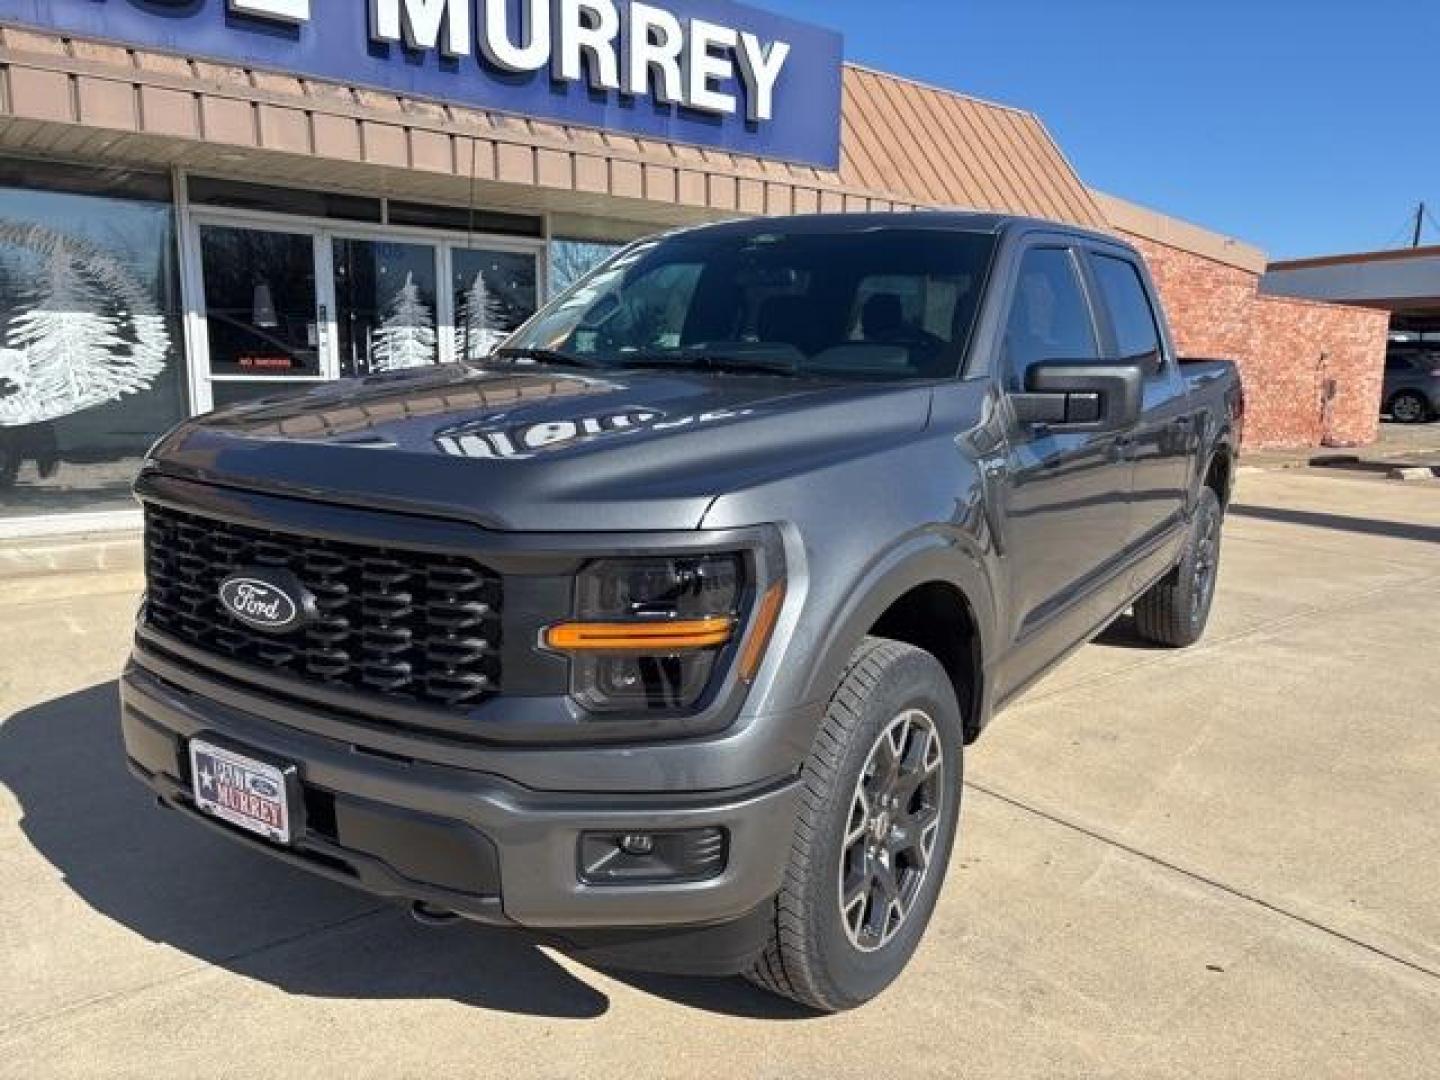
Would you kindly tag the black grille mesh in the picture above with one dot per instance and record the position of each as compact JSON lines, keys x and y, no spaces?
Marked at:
{"x":408,"y":625}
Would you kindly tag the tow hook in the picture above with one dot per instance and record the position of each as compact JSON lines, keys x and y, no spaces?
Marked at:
{"x":433,"y":917}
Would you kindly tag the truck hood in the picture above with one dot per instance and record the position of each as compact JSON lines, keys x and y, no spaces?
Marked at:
{"x":541,"y":449}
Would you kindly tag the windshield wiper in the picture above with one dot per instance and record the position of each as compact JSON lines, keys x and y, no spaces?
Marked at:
{"x":554,"y":357}
{"x":753,"y":365}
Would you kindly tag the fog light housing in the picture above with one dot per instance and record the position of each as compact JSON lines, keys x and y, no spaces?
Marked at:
{"x":669,"y":857}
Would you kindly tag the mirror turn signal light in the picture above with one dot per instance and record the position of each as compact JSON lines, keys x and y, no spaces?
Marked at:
{"x":679,"y":635}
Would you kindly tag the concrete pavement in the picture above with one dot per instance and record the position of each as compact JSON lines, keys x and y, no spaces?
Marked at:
{"x":1223,"y":862}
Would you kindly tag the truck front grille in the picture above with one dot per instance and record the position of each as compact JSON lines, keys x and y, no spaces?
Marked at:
{"x":416,"y":626}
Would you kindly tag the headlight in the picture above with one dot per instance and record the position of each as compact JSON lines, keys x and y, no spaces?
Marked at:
{"x":649,"y":633}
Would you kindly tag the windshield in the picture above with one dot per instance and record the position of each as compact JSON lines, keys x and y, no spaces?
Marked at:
{"x":881,"y":304}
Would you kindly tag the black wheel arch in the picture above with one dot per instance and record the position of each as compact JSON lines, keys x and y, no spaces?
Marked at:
{"x":1219,"y":474}
{"x":930,"y":593}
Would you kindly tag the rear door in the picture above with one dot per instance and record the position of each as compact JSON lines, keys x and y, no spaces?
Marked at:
{"x":1065,"y":495}
{"x":1162,"y":444}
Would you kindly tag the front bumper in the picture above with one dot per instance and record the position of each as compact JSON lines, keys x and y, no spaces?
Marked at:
{"x":463,"y":840}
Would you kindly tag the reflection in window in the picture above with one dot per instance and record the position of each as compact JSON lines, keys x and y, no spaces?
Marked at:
{"x":1049,"y":317}
{"x":570,"y":260}
{"x":1136,"y":333}
{"x":494,"y":294}
{"x":89,"y":329}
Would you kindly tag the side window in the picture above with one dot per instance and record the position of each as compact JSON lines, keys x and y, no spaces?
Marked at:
{"x":1049,"y":317}
{"x":1130,"y":311}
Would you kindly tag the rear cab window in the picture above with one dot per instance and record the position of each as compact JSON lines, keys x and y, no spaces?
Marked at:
{"x":1132,"y":316}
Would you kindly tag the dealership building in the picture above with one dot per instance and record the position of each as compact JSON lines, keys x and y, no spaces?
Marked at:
{"x":206,"y":202}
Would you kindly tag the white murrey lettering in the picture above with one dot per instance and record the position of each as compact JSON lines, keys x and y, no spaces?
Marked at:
{"x":498,"y":43}
{"x":423,"y":24}
{"x":696,"y":64}
{"x":704,"y":67}
{"x":291,"y":11}
{"x":657,"y":47}
{"x":760,"y":68}
{"x":588,"y":28}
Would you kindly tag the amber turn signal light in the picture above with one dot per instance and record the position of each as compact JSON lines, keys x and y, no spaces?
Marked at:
{"x":679,"y":635}
{"x":766,"y":616}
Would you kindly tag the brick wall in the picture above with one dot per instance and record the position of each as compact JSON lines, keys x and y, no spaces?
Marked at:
{"x":1210,"y":305}
{"x":1287,"y":350}
{"x":1299,"y":348}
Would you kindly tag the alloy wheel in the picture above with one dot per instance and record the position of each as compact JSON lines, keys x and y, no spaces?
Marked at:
{"x":1408,"y":409}
{"x":1206,"y":563}
{"x":894,"y":821}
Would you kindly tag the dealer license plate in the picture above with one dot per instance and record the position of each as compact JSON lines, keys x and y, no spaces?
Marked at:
{"x":247,"y":793}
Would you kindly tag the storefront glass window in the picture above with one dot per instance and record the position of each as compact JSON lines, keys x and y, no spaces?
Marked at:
{"x":570,"y":260}
{"x":494,"y":294}
{"x":385,"y":305}
{"x":90,"y":342}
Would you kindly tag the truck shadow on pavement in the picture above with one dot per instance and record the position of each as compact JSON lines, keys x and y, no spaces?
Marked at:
{"x":173,"y":883}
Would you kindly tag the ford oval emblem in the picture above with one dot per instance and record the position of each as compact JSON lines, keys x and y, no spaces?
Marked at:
{"x":258,"y":785}
{"x":274,"y":602}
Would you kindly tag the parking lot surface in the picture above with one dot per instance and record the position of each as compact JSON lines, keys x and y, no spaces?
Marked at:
{"x":1223,"y":862}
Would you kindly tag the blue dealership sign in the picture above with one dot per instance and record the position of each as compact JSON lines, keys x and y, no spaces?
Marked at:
{"x":710,"y":73}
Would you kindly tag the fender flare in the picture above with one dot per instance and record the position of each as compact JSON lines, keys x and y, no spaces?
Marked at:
{"x":920,"y":559}
{"x":1218,"y":440}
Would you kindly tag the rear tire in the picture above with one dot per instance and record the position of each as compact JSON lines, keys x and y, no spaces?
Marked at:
{"x":878,"y":813}
{"x":1409,"y":407}
{"x":1176,"y":610}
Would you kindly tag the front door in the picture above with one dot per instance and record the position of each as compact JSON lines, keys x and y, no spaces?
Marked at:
{"x":283,"y":303}
{"x":1066,"y":495}
{"x":264,"y":322}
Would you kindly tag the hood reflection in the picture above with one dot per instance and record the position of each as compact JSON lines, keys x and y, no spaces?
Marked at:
{"x":484,"y":439}
{"x":364,"y":405}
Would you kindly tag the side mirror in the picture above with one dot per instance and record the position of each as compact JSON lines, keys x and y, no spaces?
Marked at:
{"x":1080,"y":397}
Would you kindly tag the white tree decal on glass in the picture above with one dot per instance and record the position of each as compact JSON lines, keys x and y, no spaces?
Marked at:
{"x":89,"y":334}
{"x":406,"y":338}
{"x":479,"y":325}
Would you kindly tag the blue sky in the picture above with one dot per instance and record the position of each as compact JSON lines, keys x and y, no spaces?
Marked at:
{"x":1303,"y":127}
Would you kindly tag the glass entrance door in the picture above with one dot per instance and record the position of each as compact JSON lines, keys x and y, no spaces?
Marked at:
{"x":284,"y":302}
{"x":386,"y":305}
{"x":264,"y":311}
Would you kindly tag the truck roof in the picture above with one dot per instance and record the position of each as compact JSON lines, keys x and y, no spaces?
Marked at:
{"x":954,"y":220}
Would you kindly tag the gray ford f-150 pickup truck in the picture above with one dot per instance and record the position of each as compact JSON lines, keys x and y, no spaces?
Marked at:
{"x":662,"y":632}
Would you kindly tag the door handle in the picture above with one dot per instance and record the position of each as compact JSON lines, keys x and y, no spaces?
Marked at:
{"x":322,"y":326}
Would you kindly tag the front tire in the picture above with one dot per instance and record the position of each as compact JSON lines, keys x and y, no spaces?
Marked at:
{"x":1176,"y":610}
{"x":1409,"y":407}
{"x":879,"y":808}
